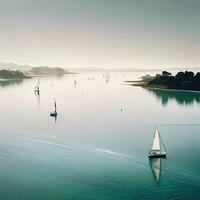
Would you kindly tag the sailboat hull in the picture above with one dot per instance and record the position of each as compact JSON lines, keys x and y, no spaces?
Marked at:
{"x":37,"y":90}
{"x":157,"y":155}
{"x":53,"y":114}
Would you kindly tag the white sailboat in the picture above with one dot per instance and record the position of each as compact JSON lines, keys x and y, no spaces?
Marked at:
{"x":37,"y":86}
{"x":155,"y":151}
{"x":54,"y":113}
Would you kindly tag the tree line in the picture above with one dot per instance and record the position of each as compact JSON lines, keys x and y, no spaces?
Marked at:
{"x":182,"y":80}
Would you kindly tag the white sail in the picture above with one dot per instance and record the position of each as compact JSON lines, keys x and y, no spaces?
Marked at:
{"x":37,"y":87}
{"x":156,"y":141}
{"x":55,"y":105}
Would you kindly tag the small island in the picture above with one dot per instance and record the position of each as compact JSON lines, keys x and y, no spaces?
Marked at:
{"x":48,"y":71}
{"x":181,"y":81}
{"x":12,"y":74}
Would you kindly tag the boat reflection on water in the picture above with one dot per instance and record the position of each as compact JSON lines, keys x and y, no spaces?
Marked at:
{"x":37,"y":94}
{"x":155,"y":165}
{"x":55,"y":118}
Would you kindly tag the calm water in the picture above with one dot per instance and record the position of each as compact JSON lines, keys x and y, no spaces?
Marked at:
{"x":93,"y":150}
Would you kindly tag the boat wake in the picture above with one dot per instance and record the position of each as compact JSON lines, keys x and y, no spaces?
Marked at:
{"x":111,"y":153}
{"x":48,"y":143}
{"x":74,"y":146}
{"x":53,"y":142}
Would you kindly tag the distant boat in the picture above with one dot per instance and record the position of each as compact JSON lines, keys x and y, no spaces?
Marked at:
{"x":54,"y":113}
{"x":155,"y":151}
{"x":107,"y":77}
{"x":37,"y":86}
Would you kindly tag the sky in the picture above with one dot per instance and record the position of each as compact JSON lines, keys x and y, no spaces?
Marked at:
{"x":101,"y":33}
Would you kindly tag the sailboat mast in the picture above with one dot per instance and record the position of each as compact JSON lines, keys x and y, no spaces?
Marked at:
{"x":37,"y":86}
{"x":159,"y":137}
{"x":162,"y":143}
{"x":55,"y":105}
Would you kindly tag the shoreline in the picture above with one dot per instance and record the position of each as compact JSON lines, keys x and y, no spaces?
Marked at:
{"x":160,"y":88}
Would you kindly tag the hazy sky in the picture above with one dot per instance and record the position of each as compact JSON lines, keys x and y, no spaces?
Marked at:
{"x":101,"y":33}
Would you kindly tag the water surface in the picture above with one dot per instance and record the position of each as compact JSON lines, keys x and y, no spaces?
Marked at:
{"x":97,"y":148}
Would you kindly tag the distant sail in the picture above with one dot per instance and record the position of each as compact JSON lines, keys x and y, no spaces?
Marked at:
{"x":37,"y":87}
{"x":55,"y":105}
{"x":156,"y":141}
{"x":54,"y":113}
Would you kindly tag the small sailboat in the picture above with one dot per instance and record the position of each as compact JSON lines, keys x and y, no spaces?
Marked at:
{"x":107,"y":77}
{"x":54,"y":113}
{"x":156,"y":149}
{"x":37,"y":86}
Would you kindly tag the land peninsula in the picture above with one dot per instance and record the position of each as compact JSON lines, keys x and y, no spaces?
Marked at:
{"x":181,"y":81}
{"x":10,"y":74}
{"x":33,"y":72}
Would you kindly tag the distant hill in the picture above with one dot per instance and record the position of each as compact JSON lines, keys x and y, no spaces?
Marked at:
{"x":40,"y":70}
{"x":48,"y":71}
{"x":13,"y":66}
{"x":56,"y":70}
{"x":95,"y":69}
{"x":34,"y":71}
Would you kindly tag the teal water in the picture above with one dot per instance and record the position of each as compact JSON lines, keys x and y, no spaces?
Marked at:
{"x":93,"y":150}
